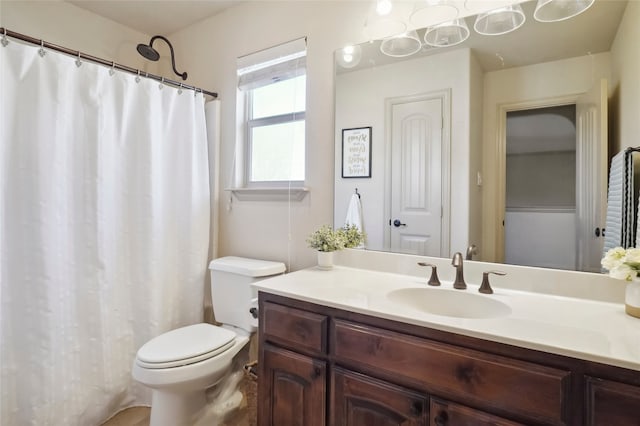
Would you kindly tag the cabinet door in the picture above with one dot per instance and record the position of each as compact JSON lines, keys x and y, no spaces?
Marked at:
{"x":444,"y":413}
{"x":292,"y":389}
{"x":611,"y":403}
{"x":359,"y":400}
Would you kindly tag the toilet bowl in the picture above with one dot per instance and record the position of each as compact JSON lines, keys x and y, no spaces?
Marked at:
{"x":181,"y":364}
{"x":179,"y":373}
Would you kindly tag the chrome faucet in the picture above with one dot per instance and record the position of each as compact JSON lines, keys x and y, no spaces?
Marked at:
{"x":457,"y":263}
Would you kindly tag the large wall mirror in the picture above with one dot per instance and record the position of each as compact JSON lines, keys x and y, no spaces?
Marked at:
{"x":501,"y":141}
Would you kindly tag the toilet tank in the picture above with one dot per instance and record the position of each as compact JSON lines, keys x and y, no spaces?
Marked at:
{"x":231,"y":290}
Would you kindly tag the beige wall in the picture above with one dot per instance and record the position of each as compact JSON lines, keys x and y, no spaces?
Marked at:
{"x":625,"y":59}
{"x":475,"y":156}
{"x":208,"y":50}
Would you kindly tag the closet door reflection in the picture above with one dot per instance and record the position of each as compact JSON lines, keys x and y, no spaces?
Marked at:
{"x":540,"y":216}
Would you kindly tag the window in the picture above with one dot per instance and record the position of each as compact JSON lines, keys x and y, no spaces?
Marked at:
{"x":273,"y":89}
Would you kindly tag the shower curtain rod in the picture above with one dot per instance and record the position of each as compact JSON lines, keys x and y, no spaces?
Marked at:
{"x":80,"y":55}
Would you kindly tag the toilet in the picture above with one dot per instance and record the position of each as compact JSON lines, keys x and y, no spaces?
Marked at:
{"x":180,"y":365}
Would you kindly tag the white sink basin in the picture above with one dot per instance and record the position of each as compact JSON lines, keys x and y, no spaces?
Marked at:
{"x":450,"y":303}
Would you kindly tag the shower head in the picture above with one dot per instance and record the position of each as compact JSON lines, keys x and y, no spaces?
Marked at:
{"x":152,"y":54}
{"x":148,"y":52}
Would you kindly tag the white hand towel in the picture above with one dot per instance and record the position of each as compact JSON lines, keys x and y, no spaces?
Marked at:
{"x":354,"y":214}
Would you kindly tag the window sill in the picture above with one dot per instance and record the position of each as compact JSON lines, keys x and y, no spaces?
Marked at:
{"x":269,"y":194}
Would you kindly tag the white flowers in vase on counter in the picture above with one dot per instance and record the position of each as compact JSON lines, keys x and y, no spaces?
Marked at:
{"x":622,"y":264}
{"x":327,"y":239}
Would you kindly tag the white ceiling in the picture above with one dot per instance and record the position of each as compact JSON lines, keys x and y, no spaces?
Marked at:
{"x":154,"y":17}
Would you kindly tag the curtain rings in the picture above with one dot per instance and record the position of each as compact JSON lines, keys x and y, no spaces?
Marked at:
{"x":5,"y":40}
{"x":138,"y":77}
{"x":41,"y":51}
{"x":180,"y":89}
{"x":161,"y":85}
{"x":78,"y":61}
{"x":112,"y":71}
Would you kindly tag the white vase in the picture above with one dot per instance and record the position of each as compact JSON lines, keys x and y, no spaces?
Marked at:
{"x":325,"y":259}
{"x":632,"y":298}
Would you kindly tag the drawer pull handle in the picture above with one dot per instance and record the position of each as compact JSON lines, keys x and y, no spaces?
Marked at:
{"x":441,"y":419}
{"x":416,"y":408}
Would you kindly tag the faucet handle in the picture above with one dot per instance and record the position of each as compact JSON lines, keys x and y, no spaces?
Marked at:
{"x":485,"y":287}
{"x":433,"y":280}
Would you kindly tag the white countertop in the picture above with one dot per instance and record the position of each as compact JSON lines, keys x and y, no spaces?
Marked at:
{"x":580,"y":328}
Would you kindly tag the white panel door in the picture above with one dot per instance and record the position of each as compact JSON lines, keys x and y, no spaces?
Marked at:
{"x":591,"y":179}
{"x":416,"y":175}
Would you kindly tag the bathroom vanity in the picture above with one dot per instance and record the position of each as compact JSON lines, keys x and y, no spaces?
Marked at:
{"x":338,"y":348}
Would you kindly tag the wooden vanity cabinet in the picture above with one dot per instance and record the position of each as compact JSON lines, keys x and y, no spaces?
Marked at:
{"x":612,"y":403}
{"x":325,"y":366}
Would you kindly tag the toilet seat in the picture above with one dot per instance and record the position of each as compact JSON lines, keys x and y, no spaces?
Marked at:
{"x":184,"y":346}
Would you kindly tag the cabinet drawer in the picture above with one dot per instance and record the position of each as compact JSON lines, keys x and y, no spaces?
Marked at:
{"x":295,"y":328}
{"x":612,"y":403}
{"x":537,"y":392}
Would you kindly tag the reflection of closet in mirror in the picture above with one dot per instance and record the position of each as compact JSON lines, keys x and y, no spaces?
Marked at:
{"x":540,"y":216}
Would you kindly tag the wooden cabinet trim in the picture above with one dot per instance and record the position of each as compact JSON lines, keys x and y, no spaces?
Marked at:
{"x":611,"y":403}
{"x":354,"y":393}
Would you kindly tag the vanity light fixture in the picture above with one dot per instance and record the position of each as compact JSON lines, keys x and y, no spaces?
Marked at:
{"x":431,"y":12}
{"x":401,"y":45}
{"x":383,"y":7}
{"x":559,"y":10}
{"x":500,"y":21}
{"x":447,"y":34}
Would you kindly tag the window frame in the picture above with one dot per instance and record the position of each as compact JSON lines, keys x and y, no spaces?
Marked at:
{"x":251,"y":123}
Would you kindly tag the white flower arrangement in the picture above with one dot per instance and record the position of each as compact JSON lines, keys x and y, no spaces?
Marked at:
{"x":327,"y":239}
{"x":622,"y":264}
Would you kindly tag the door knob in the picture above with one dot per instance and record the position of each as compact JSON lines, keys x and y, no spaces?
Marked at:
{"x":398,"y":224}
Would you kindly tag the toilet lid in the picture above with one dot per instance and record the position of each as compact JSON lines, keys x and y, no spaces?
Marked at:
{"x":184,"y":346}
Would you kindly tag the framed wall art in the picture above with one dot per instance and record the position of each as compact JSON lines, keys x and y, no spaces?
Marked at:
{"x":356,"y":152}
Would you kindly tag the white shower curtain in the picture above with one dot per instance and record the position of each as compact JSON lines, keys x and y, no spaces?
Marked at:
{"x":104,"y":231}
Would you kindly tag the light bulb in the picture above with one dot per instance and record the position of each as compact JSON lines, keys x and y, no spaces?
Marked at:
{"x":383,"y":7}
{"x":349,"y":56}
